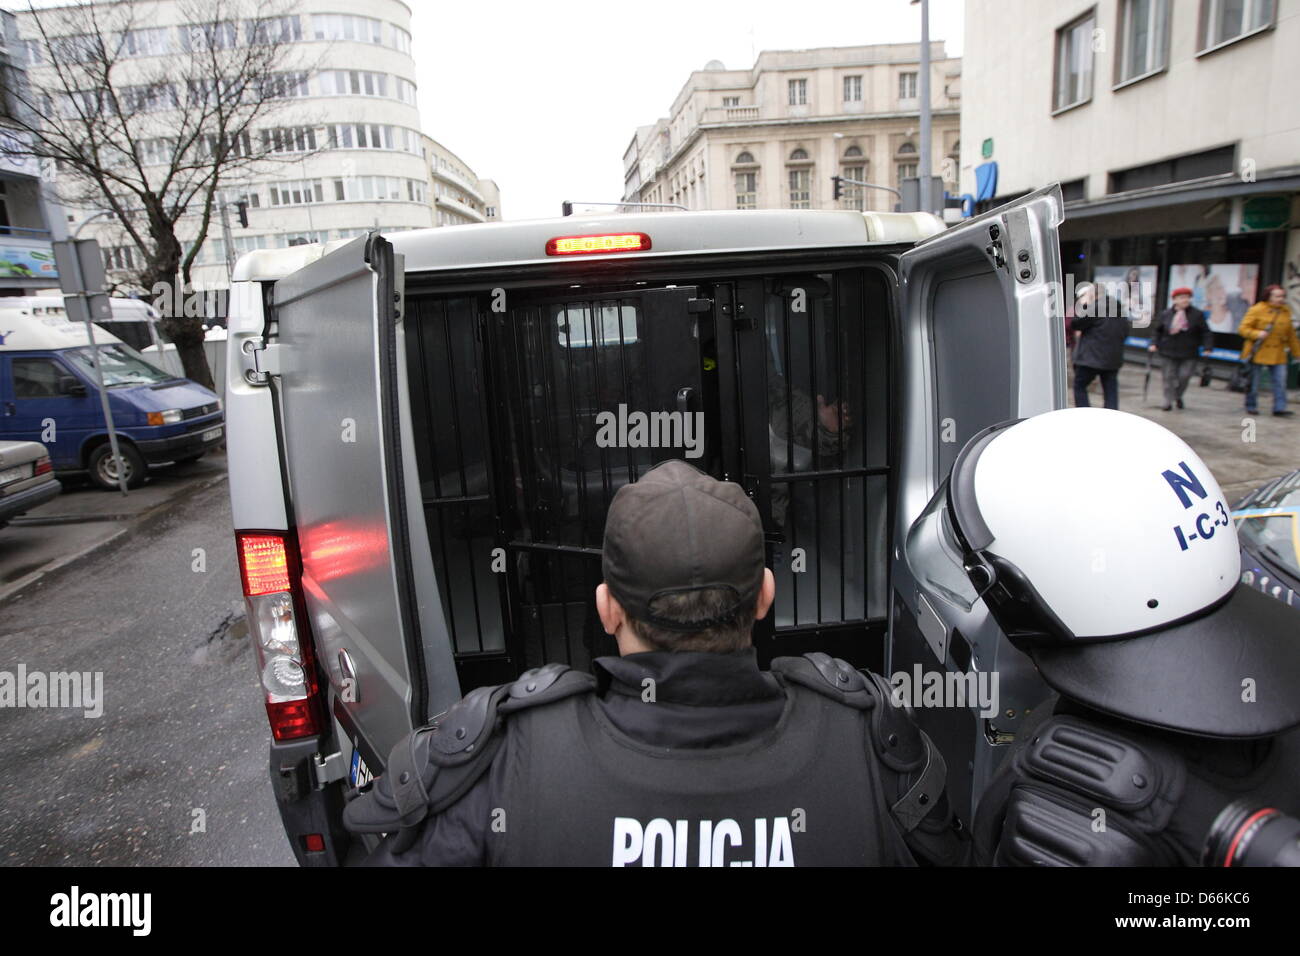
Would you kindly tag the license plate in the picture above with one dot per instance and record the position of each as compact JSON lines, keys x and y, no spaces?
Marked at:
{"x":360,"y":774}
{"x":211,"y":434}
{"x":15,"y":474}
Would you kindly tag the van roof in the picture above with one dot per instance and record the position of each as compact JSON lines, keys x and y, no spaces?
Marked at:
{"x":24,"y":332}
{"x":124,"y":309}
{"x":517,"y":243}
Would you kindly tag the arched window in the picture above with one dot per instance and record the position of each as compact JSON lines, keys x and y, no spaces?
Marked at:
{"x":744,"y":159}
{"x":798,"y":155}
{"x":852,"y":152}
{"x":906,"y":148}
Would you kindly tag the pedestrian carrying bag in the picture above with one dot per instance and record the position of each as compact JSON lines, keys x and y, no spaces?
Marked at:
{"x":1241,"y":374}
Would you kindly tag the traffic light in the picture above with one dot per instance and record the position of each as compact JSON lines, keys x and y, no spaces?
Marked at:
{"x":242,"y":206}
{"x":839,"y":186}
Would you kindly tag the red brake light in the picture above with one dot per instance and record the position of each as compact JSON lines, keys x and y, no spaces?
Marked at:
{"x":43,"y":467}
{"x":263,"y":564}
{"x":606,"y":242}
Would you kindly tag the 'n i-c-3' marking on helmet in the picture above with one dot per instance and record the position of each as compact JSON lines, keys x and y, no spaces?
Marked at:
{"x":1182,"y":485}
{"x":1203,"y":530}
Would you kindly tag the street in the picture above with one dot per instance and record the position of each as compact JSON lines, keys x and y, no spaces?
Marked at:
{"x":174,"y":771}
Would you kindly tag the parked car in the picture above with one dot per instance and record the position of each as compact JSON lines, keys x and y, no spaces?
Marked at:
{"x":49,"y":393}
{"x":419,"y":480}
{"x":26,"y":478}
{"x":1268,"y":527}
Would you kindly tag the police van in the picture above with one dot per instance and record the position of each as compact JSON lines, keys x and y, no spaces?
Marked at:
{"x":427,"y":427}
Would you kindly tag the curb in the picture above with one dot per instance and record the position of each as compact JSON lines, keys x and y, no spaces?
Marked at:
{"x":131,"y":523}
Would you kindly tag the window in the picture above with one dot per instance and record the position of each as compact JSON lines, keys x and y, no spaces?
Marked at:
{"x":744,"y":158}
{"x":798,"y":155}
{"x":1144,"y":26}
{"x":907,"y":86}
{"x":285,"y":85}
{"x":577,"y":328}
{"x":144,"y":99}
{"x":75,"y":49}
{"x":119,"y":258}
{"x":905,"y":171}
{"x":296,"y":192}
{"x":852,"y":152}
{"x":1223,"y":21}
{"x":379,"y":189}
{"x":405,"y":91}
{"x":852,"y":198}
{"x":730,"y":101}
{"x":746,"y":190}
{"x":152,"y":42}
{"x":401,"y":40}
{"x":155,"y":152}
{"x":34,"y":51}
{"x":339,"y":26}
{"x":289,"y":139}
{"x":1074,"y":63}
{"x":798,"y":92}
{"x":853,"y":89}
{"x":197,"y":37}
{"x":273,"y":30}
{"x":800,"y":188}
{"x":37,"y":378}
{"x":354,"y":83}
{"x":491,"y":212}
{"x":120,"y":365}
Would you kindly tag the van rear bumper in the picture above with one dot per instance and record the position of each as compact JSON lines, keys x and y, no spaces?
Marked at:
{"x":304,"y":809}
{"x":182,"y":446}
{"x":13,"y":505}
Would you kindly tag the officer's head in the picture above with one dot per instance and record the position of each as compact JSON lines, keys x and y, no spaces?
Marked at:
{"x":683,"y":564}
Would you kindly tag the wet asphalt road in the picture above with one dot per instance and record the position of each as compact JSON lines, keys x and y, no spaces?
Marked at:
{"x":183,"y":727}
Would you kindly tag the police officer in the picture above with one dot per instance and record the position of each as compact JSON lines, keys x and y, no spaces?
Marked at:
{"x":681,"y":751}
{"x":1103,"y":547}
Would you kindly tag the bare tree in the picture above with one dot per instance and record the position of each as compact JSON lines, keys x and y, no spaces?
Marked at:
{"x":152,"y":123}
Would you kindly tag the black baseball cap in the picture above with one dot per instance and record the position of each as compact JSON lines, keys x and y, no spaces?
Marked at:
{"x":679,"y":530}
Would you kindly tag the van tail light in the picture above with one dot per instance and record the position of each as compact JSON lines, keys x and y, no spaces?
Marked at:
{"x":269,"y":571}
{"x":43,"y":467}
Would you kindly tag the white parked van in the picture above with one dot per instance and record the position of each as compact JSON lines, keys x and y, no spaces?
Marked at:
{"x":426,"y":429}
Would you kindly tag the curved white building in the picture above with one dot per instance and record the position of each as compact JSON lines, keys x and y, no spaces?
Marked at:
{"x":349,"y":154}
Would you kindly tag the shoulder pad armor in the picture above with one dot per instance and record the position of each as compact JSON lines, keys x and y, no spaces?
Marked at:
{"x":828,"y":676}
{"x":433,"y":766}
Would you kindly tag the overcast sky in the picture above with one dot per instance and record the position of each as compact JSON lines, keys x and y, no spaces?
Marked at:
{"x":544,"y":97}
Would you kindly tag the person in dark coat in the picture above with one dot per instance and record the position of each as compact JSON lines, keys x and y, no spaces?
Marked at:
{"x":1100,"y":351}
{"x":1181,"y":332}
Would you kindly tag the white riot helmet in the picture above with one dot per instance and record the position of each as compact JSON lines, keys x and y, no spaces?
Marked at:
{"x":1104,"y":548}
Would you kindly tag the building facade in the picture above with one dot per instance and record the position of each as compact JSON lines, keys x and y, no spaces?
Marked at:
{"x":459,"y":197}
{"x":347,"y":154}
{"x":772,"y":136}
{"x":1173,"y":127}
{"x":26,"y":257}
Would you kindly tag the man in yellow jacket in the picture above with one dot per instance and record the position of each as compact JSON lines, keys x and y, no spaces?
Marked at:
{"x":1269,"y":335}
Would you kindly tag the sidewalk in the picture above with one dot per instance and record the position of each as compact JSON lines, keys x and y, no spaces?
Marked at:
{"x":84,"y":518}
{"x":1215,"y":424}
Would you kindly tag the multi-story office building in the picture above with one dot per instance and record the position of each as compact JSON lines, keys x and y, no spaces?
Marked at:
{"x":26,"y":259}
{"x":1173,"y":127}
{"x":773,"y":136}
{"x":347,"y":151}
{"x":458,"y":195}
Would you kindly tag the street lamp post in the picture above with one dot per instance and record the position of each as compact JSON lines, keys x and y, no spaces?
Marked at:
{"x":923,"y":166}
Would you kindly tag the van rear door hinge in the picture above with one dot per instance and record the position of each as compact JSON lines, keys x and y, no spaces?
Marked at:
{"x":260,"y":360}
{"x":325,"y":770}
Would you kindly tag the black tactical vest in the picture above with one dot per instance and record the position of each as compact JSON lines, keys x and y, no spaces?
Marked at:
{"x":577,"y":791}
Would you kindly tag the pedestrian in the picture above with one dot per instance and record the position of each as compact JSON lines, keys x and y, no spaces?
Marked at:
{"x":1181,"y":332}
{"x":1269,"y":335}
{"x":1100,"y":349}
{"x":680,"y":751}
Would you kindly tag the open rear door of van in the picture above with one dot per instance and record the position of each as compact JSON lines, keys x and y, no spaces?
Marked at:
{"x":982,"y":342}
{"x":338,"y":372}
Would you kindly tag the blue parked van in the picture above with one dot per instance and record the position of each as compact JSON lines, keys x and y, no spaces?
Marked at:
{"x":48,"y":393}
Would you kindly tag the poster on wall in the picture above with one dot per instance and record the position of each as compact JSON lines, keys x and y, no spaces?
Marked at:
{"x":1223,"y":291}
{"x":1132,"y":286}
